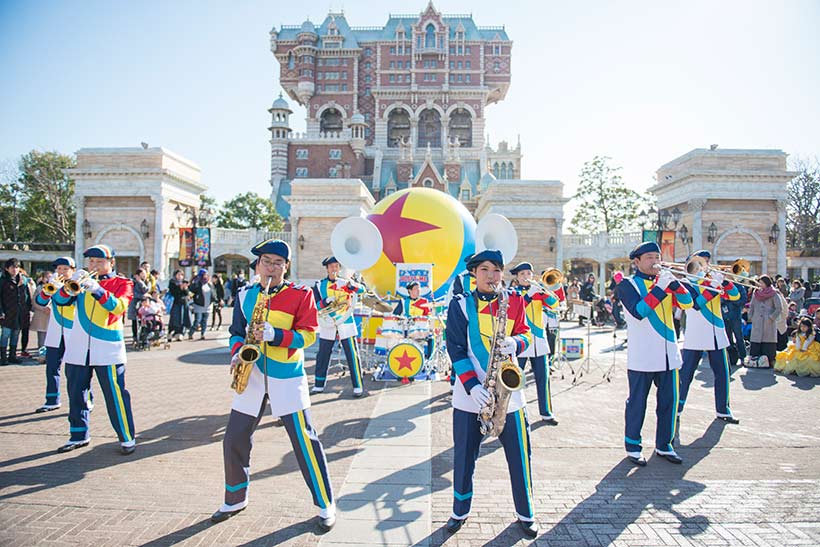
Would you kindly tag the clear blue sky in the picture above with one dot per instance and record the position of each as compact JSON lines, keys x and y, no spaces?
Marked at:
{"x":640,"y":81}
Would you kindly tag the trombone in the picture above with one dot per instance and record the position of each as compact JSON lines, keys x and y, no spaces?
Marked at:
{"x":543,"y":289}
{"x":74,"y":286}
{"x":667,"y":267}
{"x":734,"y":272}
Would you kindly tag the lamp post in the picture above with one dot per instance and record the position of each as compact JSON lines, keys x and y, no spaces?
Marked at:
{"x":774,"y":233}
{"x":711,"y":233}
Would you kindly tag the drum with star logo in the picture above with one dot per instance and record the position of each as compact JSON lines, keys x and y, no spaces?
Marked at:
{"x":420,"y":225}
{"x":405,"y":359}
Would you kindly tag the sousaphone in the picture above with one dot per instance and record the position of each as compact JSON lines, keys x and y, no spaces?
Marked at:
{"x":495,"y":231}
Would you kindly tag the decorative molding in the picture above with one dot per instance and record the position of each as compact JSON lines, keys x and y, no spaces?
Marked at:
{"x":123,"y":227}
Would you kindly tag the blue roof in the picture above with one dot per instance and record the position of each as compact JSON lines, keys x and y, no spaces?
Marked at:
{"x":354,"y":36}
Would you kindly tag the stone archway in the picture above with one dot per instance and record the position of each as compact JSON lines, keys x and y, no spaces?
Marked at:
{"x":741,"y":249}
{"x":127,"y":243}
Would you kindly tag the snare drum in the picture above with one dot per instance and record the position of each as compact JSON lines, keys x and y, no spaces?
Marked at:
{"x":380,"y":347}
{"x":419,"y":328}
{"x":392,"y":327}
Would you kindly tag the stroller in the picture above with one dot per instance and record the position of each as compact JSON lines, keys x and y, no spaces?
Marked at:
{"x":150,"y":329}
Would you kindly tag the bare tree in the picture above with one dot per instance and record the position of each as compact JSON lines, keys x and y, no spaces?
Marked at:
{"x":803,"y":206}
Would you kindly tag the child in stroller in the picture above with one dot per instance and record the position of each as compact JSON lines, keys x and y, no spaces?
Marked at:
{"x":151,"y":328}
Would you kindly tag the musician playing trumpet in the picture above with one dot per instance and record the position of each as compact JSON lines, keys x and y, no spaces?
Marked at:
{"x":706,"y":331}
{"x":471,"y":322}
{"x":650,"y":296}
{"x":277,"y":379}
{"x":96,"y":346}
{"x":538,"y":303}
{"x":331,"y":291}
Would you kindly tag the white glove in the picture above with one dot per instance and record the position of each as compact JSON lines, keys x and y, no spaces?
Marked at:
{"x":330,"y":299}
{"x":78,"y":274}
{"x":90,"y":284}
{"x":665,"y":279}
{"x":718,"y":278}
{"x":532,"y":291}
{"x":479,"y":395}
{"x":256,"y":279}
{"x":508,"y":346}
{"x":235,"y":360}
{"x":268,"y":332}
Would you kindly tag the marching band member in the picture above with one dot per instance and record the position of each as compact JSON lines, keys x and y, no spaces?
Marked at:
{"x":537,"y":305}
{"x":462,"y":283}
{"x":732,"y":317}
{"x":469,"y":331}
{"x":705,"y":331}
{"x":326,"y":291}
{"x":96,"y":345}
{"x":277,"y":379}
{"x":59,"y":328}
{"x":653,"y":355}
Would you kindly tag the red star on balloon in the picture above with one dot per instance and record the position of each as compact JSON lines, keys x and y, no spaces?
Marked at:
{"x":394,"y":227}
{"x":405,"y":361}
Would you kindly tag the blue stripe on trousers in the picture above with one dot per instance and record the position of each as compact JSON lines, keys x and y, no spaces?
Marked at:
{"x":79,"y":383}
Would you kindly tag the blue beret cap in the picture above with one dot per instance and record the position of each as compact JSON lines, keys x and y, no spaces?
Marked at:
{"x":491,"y":255}
{"x":704,"y":253}
{"x":99,"y":251}
{"x":643,"y":248}
{"x":272,"y":247}
{"x":329,"y":260}
{"x":521,"y":267}
{"x":202,"y":271}
{"x":411,"y":285}
{"x":64,"y":261}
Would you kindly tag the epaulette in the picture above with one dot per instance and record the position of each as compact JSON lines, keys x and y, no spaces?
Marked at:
{"x":300,"y":286}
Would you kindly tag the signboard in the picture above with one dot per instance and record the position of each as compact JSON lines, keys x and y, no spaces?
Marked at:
{"x":420,"y":273}
{"x":195,"y":251}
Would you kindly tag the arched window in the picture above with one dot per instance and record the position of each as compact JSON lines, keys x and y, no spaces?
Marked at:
{"x":398,"y":127}
{"x":430,"y":129}
{"x":290,"y":61}
{"x":461,"y":126}
{"x":503,"y":170}
{"x":510,"y":170}
{"x":331,"y":120}
{"x":495,"y":169}
{"x":428,"y":183}
{"x":430,"y":36}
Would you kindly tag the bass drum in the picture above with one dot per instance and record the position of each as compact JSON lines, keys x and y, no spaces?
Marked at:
{"x":405,"y":359}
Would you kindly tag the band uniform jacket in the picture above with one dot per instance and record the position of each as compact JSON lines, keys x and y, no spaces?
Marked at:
{"x":96,"y":332}
{"x":650,"y":325}
{"x":470,"y":325}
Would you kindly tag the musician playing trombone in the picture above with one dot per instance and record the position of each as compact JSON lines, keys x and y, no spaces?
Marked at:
{"x":706,"y":331}
{"x":96,"y":346}
{"x":649,"y":297}
{"x":471,"y":324}
{"x":331,"y":290}
{"x":277,"y":379}
{"x":538,"y":302}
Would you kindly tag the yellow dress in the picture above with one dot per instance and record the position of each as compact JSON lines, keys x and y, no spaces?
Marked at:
{"x":802,"y":357}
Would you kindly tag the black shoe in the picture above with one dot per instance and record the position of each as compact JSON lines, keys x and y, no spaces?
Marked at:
{"x":326,"y":523}
{"x":640,"y":461}
{"x":673,"y":458}
{"x":69,"y":446}
{"x":729,"y":419}
{"x":47,"y":408}
{"x":14,"y":360}
{"x":549,"y":420}
{"x":530,"y":528}
{"x":454,"y":525}
{"x":222,"y":516}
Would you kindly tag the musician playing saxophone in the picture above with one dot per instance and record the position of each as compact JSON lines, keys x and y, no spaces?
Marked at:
{"x":278,"y":378}
{"x":470,"y":327}
{"x":328,"y":291}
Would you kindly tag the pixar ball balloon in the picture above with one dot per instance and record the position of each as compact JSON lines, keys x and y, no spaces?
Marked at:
{"x":421,"y":225}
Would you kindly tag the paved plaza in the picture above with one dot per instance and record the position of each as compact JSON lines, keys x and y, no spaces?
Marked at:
{"x":390,"y":459}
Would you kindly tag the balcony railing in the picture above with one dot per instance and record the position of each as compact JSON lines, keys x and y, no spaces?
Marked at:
{"x":602,"y":239}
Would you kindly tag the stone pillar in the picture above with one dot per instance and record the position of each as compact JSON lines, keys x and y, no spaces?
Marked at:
{"x":696,"y":206}
{"x":79,"y":236}
{"x":804,"y":271}
{"x":158,"y":260}
{"x":602,"y":277}
{"x":559,"y":244}
{"x":294,"y":245}
{"x":781,"y":241}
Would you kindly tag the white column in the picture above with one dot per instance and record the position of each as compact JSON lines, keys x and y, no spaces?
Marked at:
{"x":696,"y":206}
{"x":804,"y":272}
{"x":79,"y":236}
{"x":294,"y":246}
{"x":602,"y":277}
{"x":559,"y":243}
{"x":781,"y":241}
{"x":159,"y":260}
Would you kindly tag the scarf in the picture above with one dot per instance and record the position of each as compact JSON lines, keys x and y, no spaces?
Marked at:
{"x":764,"y":294}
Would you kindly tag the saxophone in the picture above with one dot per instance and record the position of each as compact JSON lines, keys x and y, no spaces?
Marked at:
{"x":250,"y":351}
{"x":503,"y":374}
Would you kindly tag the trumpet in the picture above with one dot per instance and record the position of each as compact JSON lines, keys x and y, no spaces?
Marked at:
{"x":54,"y":285}
{"x":552,"y":277}
{"x":74,"y":286}
{"x":734,"y":272}
{"x":543,"y":289}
